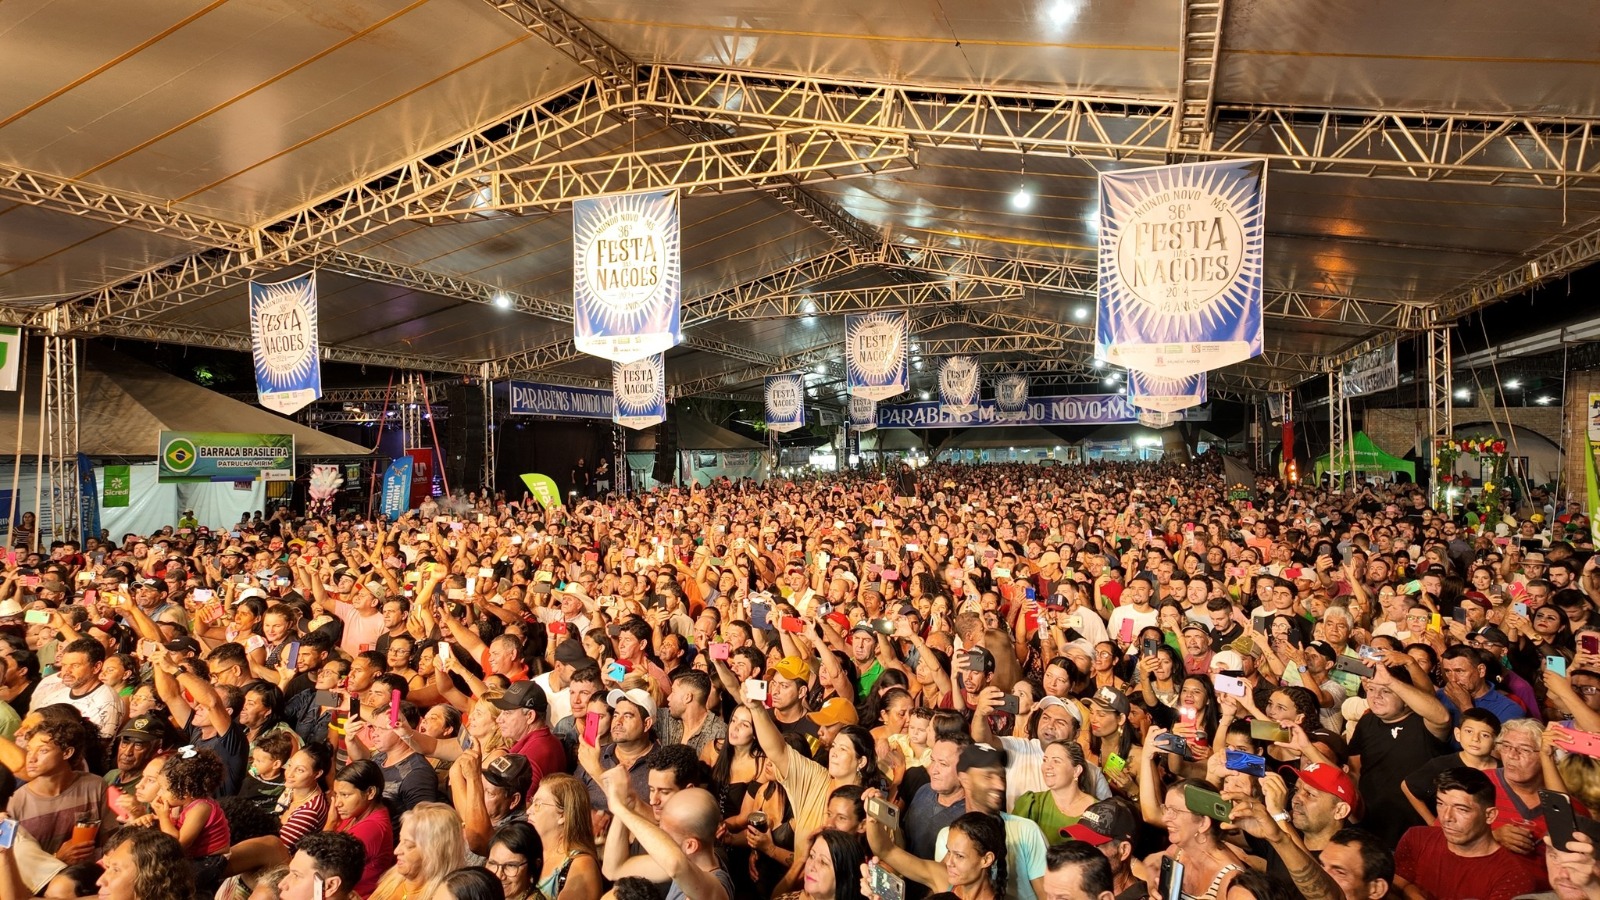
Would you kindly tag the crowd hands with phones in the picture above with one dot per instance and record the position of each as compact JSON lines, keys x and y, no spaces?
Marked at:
{"x":996,"y":682}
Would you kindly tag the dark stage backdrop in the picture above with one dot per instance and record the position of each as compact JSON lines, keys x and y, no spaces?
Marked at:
{"x":549,"y":447}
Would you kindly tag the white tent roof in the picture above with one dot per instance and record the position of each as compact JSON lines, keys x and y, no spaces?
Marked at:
{"x":891,"y":439}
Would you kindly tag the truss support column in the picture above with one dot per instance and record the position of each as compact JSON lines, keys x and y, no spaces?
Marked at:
{"x":490,"y":433}
{"x":411,"y":413}
{"x":61,"y":430}
{"x":1260,"y":435}
{"x":1338,"y":431}
{"x":1441,"y":418}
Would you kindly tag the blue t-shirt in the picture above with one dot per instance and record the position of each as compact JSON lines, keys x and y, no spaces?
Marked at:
{"x":1504,"y":708}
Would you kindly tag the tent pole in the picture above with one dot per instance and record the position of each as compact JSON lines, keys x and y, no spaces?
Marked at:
{"x":38,"y":465}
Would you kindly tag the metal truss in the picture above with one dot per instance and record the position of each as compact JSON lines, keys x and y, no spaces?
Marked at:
{"x":1003,"y":343}
{"x":882,"y":297}
{"x":118,"y":208}
{"x":1479,"y":149}
{"x":364,"y":417}
{"x":1197,"y":70}
{"x":435,"y":394}
{"x":792,"y":155}
{"x":1340,"y":463}
{"x":61,"y":434}
{"x":189,"y":336}
{"x":786,"y":280}
{"x":1565,"y":257}
{"x":491,"y":433}
{"x":542,"y":130}
{"x":1441,"y":413}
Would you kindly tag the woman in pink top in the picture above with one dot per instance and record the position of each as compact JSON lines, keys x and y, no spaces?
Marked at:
{"x":359,"y":811}
{"x":184,"y":809}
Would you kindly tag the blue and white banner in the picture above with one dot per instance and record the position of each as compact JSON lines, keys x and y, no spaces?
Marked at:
{"x":531,"y":398}
{"x":626,"y":275}
{"x":960,"y":384}
{"x":396,"y":497}
{"x":1157,"y":394}
{"x":1181,"y":266}
{"x":1151,"y":418}
{"x":863,"y":414}
{"x":283,"y":339}
{"x":875,"y":354}
{"x":639,"y":392}
{"x":786,"y":402}
{"x":1081,"y":409}
{"x":88,"y":500}
{"x":1011,"y":396}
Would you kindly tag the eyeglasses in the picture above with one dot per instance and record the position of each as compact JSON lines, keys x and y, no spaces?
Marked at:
{"x":1587,"y":690}
{"x":500,"y":867}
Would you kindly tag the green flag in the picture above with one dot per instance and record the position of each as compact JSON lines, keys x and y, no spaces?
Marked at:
{"x":1593,"y":479}
{"x":10,"y":358}
{"x":118,"y":483}
{"x":543,"y":488}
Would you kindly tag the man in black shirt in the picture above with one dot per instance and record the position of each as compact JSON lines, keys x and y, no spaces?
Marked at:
{"x":1404,"y":728}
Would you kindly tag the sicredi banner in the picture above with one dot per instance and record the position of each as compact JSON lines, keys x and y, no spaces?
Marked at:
{"x":1181,"y":254}
{"x":530,"y":398}
{"x":960,"y":384}
{"x":118,"y":487}
{"x":626,"y":272}
{"x":10,"y":357}
{"x":283,"y":341}
{"x":639,"y":392}
{"x":1157,"y":394}
{"x":1079,"y":409}
{"x":876,"y":346}
{"x":786,"y":402}
{"x":184,"y":456}
{"x":863,"y":414}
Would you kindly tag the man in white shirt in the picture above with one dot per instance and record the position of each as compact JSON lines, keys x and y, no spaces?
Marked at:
{"x":1135,"y":608}
{"x":78,"y":683}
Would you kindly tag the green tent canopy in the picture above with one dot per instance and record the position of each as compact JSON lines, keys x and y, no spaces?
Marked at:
{"x":1368,"y":458}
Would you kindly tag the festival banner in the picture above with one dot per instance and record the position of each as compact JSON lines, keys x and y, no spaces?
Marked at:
{"x":639,"y":392}
{"x":543,"y":488}
{"x":1153,"y":418}
{"x":1078,"y":409}
{"x":1371,"y":372}
{"x":1592,"y":481}
{"x":397,"y":488}
{"x":786,"y":402}
{"x":119,"y":487}
{"x":88,"y":499}
{"x":11,"y":349}
{"x":531,"y":398}
{"x":960,"y":384}
{"x":626,"y":275}
{"x":863,"y":414}
{"x":1157,"y":394}
{"x":1011,"y":396}
{"x":1181,"y":266}
{"x":190,"y":456}
{"x":283,"y":339}
{"x":875,"y":354}
{"x":1594,"y":416}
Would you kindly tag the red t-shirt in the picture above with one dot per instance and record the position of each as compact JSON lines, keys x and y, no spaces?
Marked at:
{"x":1424,"y":859}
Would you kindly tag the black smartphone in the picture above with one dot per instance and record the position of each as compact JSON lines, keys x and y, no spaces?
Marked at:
{"x":1009,"y":704}
{"x":1172,"y":743}
{"x":1558,"y":817}
{"x":1171,"y":885}
{"x":1150,"y":646}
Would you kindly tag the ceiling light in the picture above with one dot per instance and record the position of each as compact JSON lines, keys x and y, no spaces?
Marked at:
{"x":1513,"y":384}
{"x":1022,"y":199}
{"x":1081,"y":313}
{"x":1110,"y":380}
{"x":924,"y":395}
{"x":502,"y":299}
{"x":1544,"y":401}
{"x":822,"y":368}
{"x":1099,"y":364}
{"x":1463,"y":394}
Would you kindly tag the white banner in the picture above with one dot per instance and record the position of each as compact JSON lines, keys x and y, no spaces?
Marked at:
{"x":1157,"y":394}
{"x":283,"y":340}
{"x":1011,"y":396}
{"x":639,"y":392}
{"x":960,"y":384}
{"x":11,"y":350}
{"x":1181,"y":266}
{"x":863,"y":414}
{"x":626,"y":275}
{"x":1371,"y":372}
{"x":786,"y":402}
{"x":875,"y":348}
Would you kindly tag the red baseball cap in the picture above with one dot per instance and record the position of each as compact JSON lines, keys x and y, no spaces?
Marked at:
{"x":1331,"y":780}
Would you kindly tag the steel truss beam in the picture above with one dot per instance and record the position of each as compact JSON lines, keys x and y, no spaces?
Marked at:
{"x":144,"y":213}
{"x":1441,"y":411}
{"x":356,"y":395}
{"x":1201,"y":21}
{"x":61,"y":434}
{"x":784,"y":281}
{"x":1480,"y":149}
{"x":793,"y":155}
{"x":1565,"y":257}
{"x":366,"y":417}
{"x":542,"y":130}
{"x":868,"y":299}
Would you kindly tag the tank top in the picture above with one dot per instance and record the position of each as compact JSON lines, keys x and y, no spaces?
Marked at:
{"x":216,"y":837}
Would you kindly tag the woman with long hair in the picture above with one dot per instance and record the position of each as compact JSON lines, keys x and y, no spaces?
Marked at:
{"x":974,"y":864}
{"x":832,"y":869}
{"x":736,"y":767}
{"x":1157,"y":673}
{"x":516,"y":857}
{"x":1103,"y":668}
{"x":145,"y":864}
{"x":1067,"y":793}
{"x":303,"y":806}
{"x":560,"y":814}
{"x":359,"y":811}
{"x":1209,"y":863}
{"x":432,"y":845}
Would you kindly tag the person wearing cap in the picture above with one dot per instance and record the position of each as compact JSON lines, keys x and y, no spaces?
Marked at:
{"x":77,"y":683}
{"x":864,"y":653}
{"x":1312,"y":668}
{"x":1052,"y":719}
{"x":488,"y":796}
{"x":633,"y":737}
{"x":982,"y":773}
{"x":1111,"y":734}
{"x":138,"y":743}
{"x":1195,"y":638}
{"x":524,"y":723}
{"x":832,"y":717}
{"x":1109,"y":826}
{"x":1325,"y":799}
{"x":1262,"y":828}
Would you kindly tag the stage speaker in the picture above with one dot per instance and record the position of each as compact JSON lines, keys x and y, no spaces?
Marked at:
{"x":666,"y":467}
{"x":463,"y":436}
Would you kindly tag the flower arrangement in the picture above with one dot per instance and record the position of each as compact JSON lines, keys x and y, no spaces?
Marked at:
{"x":1490,"y":450}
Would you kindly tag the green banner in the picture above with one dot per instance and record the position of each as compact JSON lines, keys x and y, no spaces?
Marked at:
{"x":118,"y":487}
{"x":1593,"y":481}
{"x":11,"y":348}
{"x":543,"y":488}
{"x":222,"y":456}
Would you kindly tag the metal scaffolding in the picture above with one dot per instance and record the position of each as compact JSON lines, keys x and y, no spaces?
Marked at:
{"x":1441,"y":415}
{"x":491,"y":434}
{"x":1341,"y":467}
{"x":1197,"y":69}
{"x":412,"y":435}
{"x":61,"y":434}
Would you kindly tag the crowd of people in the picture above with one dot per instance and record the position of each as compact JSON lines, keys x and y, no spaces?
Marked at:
{"x":995,"y":682}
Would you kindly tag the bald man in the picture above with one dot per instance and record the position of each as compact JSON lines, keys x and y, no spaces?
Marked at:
{"x":682,"y":848}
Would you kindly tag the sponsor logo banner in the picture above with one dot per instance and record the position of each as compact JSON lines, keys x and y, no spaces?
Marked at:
{"x":1371,"y":372}
{"x":1081,"y":409}
{"x":223,"y":456}
{"x":530,"y":398}
{"x":1157,"y":394}
{"x":960,"y":384}
{"x":863,"y":414}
